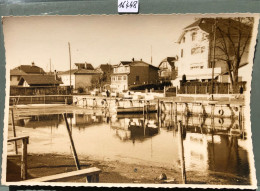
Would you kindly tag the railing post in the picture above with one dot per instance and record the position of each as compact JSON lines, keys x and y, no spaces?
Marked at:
{"x":14,"y":132}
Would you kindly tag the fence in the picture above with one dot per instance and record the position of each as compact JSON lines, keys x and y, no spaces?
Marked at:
{"x":40,"y":90}
{"x":206,"y":88}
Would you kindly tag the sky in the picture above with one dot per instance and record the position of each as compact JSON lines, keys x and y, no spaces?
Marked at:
{"x":96,"y":39}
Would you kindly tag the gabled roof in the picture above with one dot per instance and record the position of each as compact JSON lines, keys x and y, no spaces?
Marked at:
{"x":136,"y":62}
{"x":40,"y":80}
{"x":206,"y":24}
{"x":17,"y":72}
{"x":31,"y":69}
{"x":196,"y":23}
{"x":170,"y":60}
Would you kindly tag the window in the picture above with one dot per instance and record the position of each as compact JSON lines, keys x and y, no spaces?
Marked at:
{"x":193,"y":36}
{"x":10,"y":78}
{"x":183,"y":40}
{"x":137,"y":78}
{"x":198,"y":50}
{"x":181,"y":52}
{"x":124,"y":77}
{"x":202,"y":49}
{"x":195,"y":50}
{"x":119,"y":78}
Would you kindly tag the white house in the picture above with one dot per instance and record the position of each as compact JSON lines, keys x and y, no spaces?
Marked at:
{"x":197,"y":49}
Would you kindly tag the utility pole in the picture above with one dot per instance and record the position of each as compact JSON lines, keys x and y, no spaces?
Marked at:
{"x":213,"y":62}
{"x":50,"y":66}
{"x":151,"y":55}
{"x":70,"y":65}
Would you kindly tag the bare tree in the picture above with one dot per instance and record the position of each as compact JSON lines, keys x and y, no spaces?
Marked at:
{"x":232,"y":42}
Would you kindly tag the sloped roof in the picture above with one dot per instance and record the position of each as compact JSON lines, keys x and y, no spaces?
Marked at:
{"x":31,"y":69}
{"x":170,"y":60}
{"x":17,"y":72}
{"x":136,"y":62}
{"x":105,"y":67}
{"x":142,"y":62}
{"x":85,"y":71}
{"x":41,"y":79}
{"x":206,"y":24}
{"x":126,"y":62}
{"x":86,"y":65}
{"x":67,"y":72}
{"x":196,"y":23}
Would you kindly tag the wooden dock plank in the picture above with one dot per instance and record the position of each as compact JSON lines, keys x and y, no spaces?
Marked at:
{"x":87,"y":172}
{"x":18,"y":138}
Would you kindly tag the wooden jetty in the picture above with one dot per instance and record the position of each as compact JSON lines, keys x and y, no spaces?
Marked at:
{"x":141,"y":109}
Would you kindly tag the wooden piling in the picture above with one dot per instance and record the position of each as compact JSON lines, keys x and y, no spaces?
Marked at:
{"x":14,"y":132}
{"x":72,"y":143}
{"x":24,"y":159}
{"x":183,"y":171}
{"x":158,"y":109}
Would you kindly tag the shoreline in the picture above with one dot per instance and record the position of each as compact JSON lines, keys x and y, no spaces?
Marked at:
{"x":115,"y":171}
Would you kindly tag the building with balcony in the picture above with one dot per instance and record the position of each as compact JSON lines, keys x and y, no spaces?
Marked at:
{"x":198,"y":50}
{"x":133,"y":73}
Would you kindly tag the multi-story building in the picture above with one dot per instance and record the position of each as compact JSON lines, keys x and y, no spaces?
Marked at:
{"x":197,"y":48}
{"x":133,"y":73}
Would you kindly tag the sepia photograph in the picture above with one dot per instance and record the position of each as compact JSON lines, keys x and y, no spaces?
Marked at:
{"x":129,"y":100}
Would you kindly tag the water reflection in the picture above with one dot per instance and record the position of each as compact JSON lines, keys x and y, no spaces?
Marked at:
{"x":216,"y":144}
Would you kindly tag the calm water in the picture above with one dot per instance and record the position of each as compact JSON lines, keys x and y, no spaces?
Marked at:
{"x":146,"y":140}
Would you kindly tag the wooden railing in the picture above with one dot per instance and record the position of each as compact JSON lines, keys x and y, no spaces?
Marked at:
{"x":25,"y":141}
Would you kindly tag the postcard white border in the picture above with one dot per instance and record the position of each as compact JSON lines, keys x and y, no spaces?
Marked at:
{"x":247,"y":120}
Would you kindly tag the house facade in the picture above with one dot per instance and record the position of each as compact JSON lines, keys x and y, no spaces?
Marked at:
{"x":85,"y":77}
{"x":133,"y":73}
{"x":22,"y":70}
{"x":198,"y":50}
{"x":167,"y":69}
{"x":15,"y":76}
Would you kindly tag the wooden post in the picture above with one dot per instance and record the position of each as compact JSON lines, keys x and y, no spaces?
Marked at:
{"x":24,"y":159}
{"x":240,"y":120}
{"x":181,"y":148}
{"x":176,"y":109}
{"x":72,"y":143}
{"x":158,"y":109}
{"x":14,"y":132}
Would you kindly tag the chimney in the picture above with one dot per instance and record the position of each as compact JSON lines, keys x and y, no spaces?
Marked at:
{"x":33,"y":64}
{"x":133,"y":59}
{"x":141,"y":59}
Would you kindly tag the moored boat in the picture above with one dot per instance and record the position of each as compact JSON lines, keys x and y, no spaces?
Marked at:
{"x":137,"y":109}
